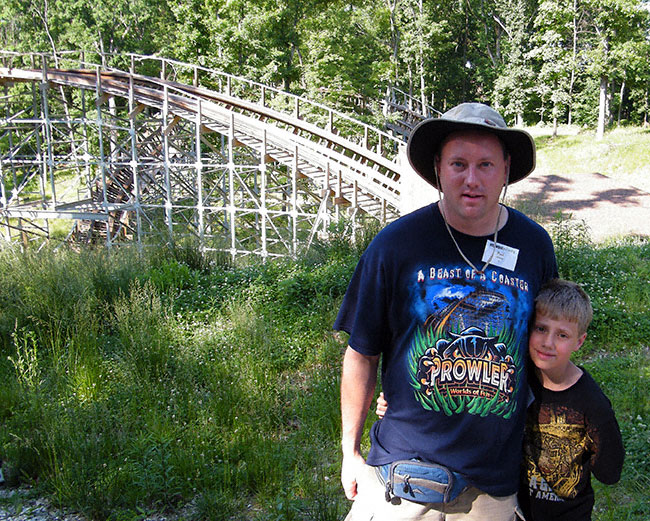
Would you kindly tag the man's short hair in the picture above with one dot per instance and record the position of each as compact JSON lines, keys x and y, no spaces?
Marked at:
{"x":561,"y":299}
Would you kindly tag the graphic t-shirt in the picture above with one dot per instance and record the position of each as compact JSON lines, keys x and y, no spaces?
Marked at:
{"x":453,"y":342}
{"x":569,"y":435}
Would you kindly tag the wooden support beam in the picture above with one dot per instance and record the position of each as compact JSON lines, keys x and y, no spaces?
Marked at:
{"x":137,"y":110}
{"x":171,"y":125}
{"x":103,"y":98}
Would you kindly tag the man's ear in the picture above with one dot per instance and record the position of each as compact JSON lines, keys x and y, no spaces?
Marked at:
{"x":581,"y":340}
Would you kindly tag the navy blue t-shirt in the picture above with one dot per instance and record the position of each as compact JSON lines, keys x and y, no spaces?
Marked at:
{"x":453,"y":342}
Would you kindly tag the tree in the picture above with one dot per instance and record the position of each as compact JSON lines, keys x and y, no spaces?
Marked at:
{"x":427,"y":38}
{"x":512,"y":19}
{"x":611,"y":26}
{"x":112,"y":26}
{"x":554,"y":55}
{"x":345,"y":60}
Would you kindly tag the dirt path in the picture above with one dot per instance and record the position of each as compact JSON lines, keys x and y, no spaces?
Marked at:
{"x":608,"y":207}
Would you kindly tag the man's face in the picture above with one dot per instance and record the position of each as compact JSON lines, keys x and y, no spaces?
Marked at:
{"x":472,"y":172}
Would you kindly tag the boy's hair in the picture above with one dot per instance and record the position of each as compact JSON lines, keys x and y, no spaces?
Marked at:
{"x":561,"y":299}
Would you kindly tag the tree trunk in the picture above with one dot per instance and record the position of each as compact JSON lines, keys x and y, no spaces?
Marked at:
{"x":394,"y":37}
{"x":421,"y":72}
{"x":620,"y":103}
{"x":574,"y":59}
{"x":602,"y":107}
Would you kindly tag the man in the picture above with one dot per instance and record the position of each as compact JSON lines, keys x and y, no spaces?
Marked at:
{"x":444,"y":296}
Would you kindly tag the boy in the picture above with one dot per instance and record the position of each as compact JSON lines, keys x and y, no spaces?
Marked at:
{"x":571,"y":431}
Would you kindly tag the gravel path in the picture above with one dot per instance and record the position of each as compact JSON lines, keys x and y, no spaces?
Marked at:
{"x":19,"y":505}
{"x":608,"y":207}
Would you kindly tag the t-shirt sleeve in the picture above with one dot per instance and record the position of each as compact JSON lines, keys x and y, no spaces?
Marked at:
{"x":609,"y":453}
{"x":551,"y":261}
{"x":363,"y":312}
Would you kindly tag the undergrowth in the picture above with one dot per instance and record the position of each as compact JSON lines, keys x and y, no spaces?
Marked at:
{"x":137,"y":383}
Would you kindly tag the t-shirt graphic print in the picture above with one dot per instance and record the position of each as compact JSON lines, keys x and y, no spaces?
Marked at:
{"x":466,"y":356}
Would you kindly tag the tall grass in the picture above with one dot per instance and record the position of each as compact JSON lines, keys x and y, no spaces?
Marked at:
{"x":135,"y":384}
{"x":132,"y":384}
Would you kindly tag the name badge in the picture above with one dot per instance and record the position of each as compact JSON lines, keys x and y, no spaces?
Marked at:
{"x":504,"y":256}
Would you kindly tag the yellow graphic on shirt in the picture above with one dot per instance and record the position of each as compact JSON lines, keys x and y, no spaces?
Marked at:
{"x":554,"y":450}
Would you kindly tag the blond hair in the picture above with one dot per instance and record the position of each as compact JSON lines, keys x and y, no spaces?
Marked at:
{"x":561,"y":299}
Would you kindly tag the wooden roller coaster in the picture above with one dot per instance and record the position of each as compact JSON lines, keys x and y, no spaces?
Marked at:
{"x":143,"y":149}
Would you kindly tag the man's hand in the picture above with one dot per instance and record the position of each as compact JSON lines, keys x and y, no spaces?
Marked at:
{"x":351,"y":467}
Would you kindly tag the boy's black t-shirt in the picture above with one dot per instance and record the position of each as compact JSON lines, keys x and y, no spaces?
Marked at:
{"x":569,"y":435}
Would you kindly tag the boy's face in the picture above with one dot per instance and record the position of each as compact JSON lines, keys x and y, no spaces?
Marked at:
{"x":552,"y":341}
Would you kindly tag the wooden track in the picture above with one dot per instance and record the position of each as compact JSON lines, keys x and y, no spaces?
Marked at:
{"x":376,"y":177}
{"x":362,"y":173}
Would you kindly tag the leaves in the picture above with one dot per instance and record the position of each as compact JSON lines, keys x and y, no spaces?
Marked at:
{"x":533,"y":59}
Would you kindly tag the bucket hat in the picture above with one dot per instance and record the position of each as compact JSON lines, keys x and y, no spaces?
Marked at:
{"x":425,"y":139}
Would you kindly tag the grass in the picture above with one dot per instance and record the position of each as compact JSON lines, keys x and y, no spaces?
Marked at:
{"x":136,"y":384}
{"x":575,"y":161}
{"x":621,"y":154}
{"x":167,"y":382}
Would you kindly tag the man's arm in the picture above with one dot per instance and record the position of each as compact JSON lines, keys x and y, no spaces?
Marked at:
{"x":357,"y":389}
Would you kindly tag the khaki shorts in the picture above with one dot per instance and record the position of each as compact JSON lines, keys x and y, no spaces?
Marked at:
{"x":472,"y":505}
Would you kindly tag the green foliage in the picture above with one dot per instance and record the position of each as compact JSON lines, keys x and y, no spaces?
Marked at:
{"x":151,"y":385}
{"x":347,"y":59}
{"x":534,"y":59}
{"x":171,"y":275}
{"x":621,"y":155}
{"x":624,"y":377}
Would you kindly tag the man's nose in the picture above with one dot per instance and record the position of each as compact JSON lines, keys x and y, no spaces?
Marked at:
{"x":472,"y":178}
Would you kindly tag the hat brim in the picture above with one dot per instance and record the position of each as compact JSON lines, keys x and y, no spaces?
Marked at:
{"x":424,"y":143}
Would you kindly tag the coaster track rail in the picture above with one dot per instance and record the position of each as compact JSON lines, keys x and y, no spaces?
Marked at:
{"x":141,"y":146}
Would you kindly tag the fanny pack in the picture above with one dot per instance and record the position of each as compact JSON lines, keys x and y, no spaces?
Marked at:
{"x":421,"y":482}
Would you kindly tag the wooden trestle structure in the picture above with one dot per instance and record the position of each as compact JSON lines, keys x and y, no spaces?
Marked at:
{"x":142,"y":149}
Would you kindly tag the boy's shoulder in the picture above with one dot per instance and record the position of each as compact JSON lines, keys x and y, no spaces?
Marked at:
{"x":586,"y":382}
{"x":585,"y":394}
{"x":595,"y":402}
